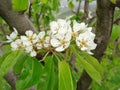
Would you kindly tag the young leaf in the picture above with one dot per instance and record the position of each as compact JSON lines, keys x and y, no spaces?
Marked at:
{"x":65,"y":77}
{"x":44,"y":1}
{"x":47,"y":81}
{"x":115,"y":32}
{"x":19,"y":5}
{"x":19,"y":64}
{"x":89,"y":68}
{"x":9,"y":62}
{"x":70,"y":4}
{"x":2,"y":58}
{"x":93,"y":61}
{"x":113,"y":1}
{"x":94,"y":74}
{"x":31,"y":74}
{"x":4,"y":84}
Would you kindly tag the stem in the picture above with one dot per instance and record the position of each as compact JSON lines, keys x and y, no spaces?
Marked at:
{"x":55,"y":56}
{"x":45,"y":56}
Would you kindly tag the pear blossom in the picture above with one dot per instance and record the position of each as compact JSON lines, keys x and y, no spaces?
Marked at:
{"x":31,"y":51}
{"x":61,"y":41}
{"x":43,"y":42}
{"x":25,"y":41}
{"x":58,"y":38}
{"x":31,"y":36}
{"x":12,"y":36}
{"x":85,"y":42}
{"x":60,"y":26}
{"x":17,"y":45}
{"x":79,"y":28}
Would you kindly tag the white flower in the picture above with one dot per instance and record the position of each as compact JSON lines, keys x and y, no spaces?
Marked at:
{"x":33,"y":53}
{"x":28,"y":46}
{"x":17,"y":45}
{"x":60,"y":27}
{"x":43,"y":42}
{"x":12,"y":36}
{"x":79,"y":28}
{"x":28,"y":49}
{"x":85,"y":42}
{"x":47,"y":42}
{"x":61,"y":41}
{"x":31,"y":36}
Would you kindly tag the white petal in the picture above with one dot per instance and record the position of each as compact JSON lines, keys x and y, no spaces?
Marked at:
{"x":83,"y":48}
{"x":27,"y":43}
{"x":68,"y":36}
{"x":39,"y":46}
{"x":92,"y":46}
{"x":89,"y":52}
{"x":15,"y":30}
{"x":89,"y":29}
{"x":13,"y":36}
{"x":29,"y":49}
{"x":23,"y":38}
{"x":55,"y":42}
{"x":33,"y":53}
{"x":14,"y":45}
{"x":41,"y":34}
{"x":67,"y":44}
{"x":29,"y":33}
{"x":60,"y":49}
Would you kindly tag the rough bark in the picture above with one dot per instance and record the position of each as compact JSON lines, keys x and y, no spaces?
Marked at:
{"x":15,"y":19}
{"x":11,"y":79}
{"x":117,"y":3}
{"x":105,"y":13}
{"x":20,"y":22}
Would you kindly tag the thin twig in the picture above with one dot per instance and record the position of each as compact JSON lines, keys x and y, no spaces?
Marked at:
{"x":78,"y":9}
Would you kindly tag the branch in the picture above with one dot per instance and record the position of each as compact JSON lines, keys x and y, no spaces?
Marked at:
{"x":105,"y":13}
{"x":15,"y":19}
{"x":20,"y":22}
{"x":86,"y":12}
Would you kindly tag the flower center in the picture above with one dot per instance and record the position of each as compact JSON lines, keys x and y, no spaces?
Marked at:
{"x":74,"y":34}
{"x":83,"y":43}
{"x":42,"y":41}
{"x":63,"y":42}
{"x":30,"y":38}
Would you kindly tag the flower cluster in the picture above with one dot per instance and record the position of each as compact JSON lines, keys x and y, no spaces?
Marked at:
{"x":58,"y":38}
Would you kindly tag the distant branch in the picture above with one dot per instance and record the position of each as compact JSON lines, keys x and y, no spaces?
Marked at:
{"x":15,"y":19}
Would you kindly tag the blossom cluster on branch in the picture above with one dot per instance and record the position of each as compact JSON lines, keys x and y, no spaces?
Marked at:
{"x":58,"y":38}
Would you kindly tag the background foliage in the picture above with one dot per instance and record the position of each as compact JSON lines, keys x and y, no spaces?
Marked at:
{"x":55,"y":74}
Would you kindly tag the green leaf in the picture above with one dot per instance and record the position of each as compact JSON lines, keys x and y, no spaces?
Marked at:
{"x":70,"y":4}
{"x":89,"y":68}
{"x":9,"y":62}
{"x":4,"y":84}
{"x":44,"y":1}
{"x":2,"y":58}
{"x":93,"y":61}
{"x":30,"y":75}
{"x":113,"y":1}
{"x":94,"y":74}
{"x":115,"y":32}
{"x":47,"y":81}
{"x":19,"y":5}
{"x":65,"y":77}
{"x":19,"y":64}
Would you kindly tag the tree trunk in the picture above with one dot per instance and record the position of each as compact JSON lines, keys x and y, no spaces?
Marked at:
{"x":105,"y":13}
{"x":20,"y":22}
{"x":15,"y":19}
